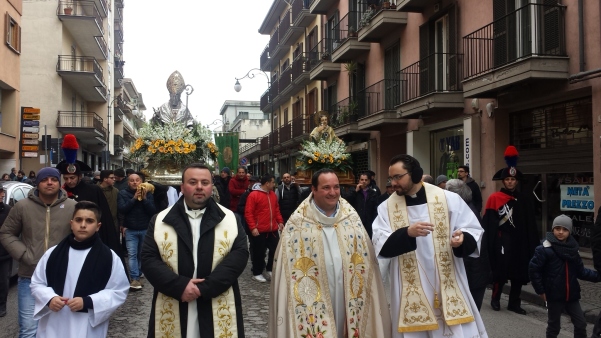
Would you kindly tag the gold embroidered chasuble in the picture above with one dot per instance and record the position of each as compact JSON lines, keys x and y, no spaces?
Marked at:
{"x":301,"y":304}
{"x":416,"y":312}
{"x":167,"y":315}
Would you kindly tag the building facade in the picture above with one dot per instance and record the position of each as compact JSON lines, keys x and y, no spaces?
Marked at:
{"x":10,"y":84}
{"x":73,"y":73}
{"x":451,"y":82}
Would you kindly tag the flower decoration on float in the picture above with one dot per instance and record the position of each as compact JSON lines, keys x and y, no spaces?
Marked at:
{"x":323,"y":154}
{"x":174,"y":144}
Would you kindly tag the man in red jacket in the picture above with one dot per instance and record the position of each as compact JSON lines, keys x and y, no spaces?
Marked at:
{"x":237,"y":187}
{"x":264,"y":219}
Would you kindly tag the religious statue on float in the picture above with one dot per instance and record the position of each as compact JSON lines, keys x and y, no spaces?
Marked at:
{"x":323,"y":131}
{"x":174,"y":111}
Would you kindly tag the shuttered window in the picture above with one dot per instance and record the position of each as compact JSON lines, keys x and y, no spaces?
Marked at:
{"x":13,"y":34}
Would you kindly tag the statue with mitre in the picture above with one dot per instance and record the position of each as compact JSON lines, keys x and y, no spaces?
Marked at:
{"x":174,"y":111}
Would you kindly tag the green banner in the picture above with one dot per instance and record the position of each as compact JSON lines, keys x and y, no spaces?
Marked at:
{"x":228,"y":150}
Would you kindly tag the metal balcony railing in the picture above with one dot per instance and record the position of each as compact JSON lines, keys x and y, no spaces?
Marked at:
{"x":80,"y":64}
{"x":264,"y":100}
{"x":249,"y":146}
{"x":439,"y":72}
{"x":78,"y":119}
{"x":346,"y":27}
{"x":321,"y":52}
{"x":102,"y":45}
{"x":285,"y":78}
{"x":344,"y":112}
{"x":81,"y":8}
{"x":533,"y":29}
{"x":265,"y":142}
{"x":274,"y":41}
{"x":285,"y":23}
{"x":274,"y":89}
{"x":380,"y":96}
{"x":286,"y":132}
{"x":297,"y":8}
{"x":119,"y":142}
{"x":264,"y":57}
{"x":299,"y":65}
{"x":119,"y":35}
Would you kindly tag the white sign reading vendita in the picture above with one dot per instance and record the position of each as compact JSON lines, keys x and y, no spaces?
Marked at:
{"x":577,"y":198}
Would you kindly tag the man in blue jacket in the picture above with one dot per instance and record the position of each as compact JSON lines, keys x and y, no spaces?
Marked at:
{"x":137,"y":209}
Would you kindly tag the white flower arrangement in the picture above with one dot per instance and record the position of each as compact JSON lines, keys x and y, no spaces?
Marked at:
{"x":318,"y":155}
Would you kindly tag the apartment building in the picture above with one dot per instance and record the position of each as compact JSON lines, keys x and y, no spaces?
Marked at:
{"x":246,"y":119}
{"x":72,"y":70}
{"x":10,"y":84}
{"x":451,"y":82}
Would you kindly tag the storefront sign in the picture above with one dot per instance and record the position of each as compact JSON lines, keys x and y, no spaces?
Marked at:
{"x":577,"y":198}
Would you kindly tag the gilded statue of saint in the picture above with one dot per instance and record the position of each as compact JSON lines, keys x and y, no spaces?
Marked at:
{"x":174,"y":111}
{"x":323,"y":130}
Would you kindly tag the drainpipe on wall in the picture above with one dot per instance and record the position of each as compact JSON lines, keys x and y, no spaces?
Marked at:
{"x":581,"y":33}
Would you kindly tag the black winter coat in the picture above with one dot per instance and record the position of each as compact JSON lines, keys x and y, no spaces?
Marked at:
{"x":136,"y":214}
{"x":222,"y":185}
{"x":217,"y":281}
{"x":288,"y":199}
{"x":548,"y":274}
{"x":596,"y":241}
{"x":4,"y":210}
{"x":477,"y":269}
{"x":365,"y":207}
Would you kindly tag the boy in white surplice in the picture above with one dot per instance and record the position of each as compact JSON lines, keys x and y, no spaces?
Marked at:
{"x":79,"y":283}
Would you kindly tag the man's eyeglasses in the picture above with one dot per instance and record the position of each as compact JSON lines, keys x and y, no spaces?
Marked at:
{"x":397,"y":177}
{"x":460,"y":171}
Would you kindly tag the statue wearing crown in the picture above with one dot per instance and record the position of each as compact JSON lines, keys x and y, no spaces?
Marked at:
{"x":174,"y":111}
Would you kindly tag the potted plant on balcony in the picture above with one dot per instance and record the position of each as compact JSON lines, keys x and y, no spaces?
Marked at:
{"x":366,"y":17}
{"x":386,"y":4}
{"x":68,"y":9}
{"x":352,"y":32}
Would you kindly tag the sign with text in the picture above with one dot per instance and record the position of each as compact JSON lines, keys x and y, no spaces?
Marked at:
{"x":30,"y":129}
{"x":575,"y":197}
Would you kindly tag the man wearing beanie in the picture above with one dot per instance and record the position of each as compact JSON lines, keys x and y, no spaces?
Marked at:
{"x":554,"y":271}
{"x":441,"y":181}
{"x":222,"y":182}
{"x":34,"y":225}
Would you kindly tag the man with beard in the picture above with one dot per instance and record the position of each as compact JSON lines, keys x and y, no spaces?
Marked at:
{"x":463,"y":173}
{"x":511,"y":234}
{"x":427,"y":231}
{"x":237,"y":187}
{"x":193,"y":254}
{"x":288,"y":194}
{"x":72,"y":171}
{"x":364,"y":199}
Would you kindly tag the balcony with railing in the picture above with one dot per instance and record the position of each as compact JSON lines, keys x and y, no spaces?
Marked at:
{"x":321,"y":6}
{"x":84,"y":74}
{"x":265,"y":104}
{"x":320,"y":63}
{"x":119,"y":34}
{"x":431,"y":84}
{"x":117,"y":110}
{"x":276,"y":50}
{"x":344,"y":115}
{"x":286,"y":134}
{"x":83,"y":21}
{"x":300,"y":72}
{"x":301,"y":15}
{"x":265,"y":63}
{"x":378,"y":22}
{"x":118,"y":143}
{"x":524,"y":46}
{"x":102,"y":6}
{"x":377,"y":104}
{"x":274,"y":90}
{"x":285,"y":84}
{"x":129,"y":130}
{"x":290,"y":32}
{"x":345,"y":46}
{"x":86,"y":126}
{"x":417,"y":6}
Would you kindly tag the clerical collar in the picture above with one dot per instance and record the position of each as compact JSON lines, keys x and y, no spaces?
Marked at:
{"x":323,"y":212}
{"x":194,"y":213}
{"x":417,"y":199}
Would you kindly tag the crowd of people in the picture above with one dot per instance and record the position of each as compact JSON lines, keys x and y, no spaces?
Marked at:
{"x":330,"y":252}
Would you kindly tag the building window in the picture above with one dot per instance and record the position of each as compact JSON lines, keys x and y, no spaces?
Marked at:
{"x":13,"y":34}
{"x":447,"y":151}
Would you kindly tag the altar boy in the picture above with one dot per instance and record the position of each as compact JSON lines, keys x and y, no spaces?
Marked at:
{"x":79,"y":283}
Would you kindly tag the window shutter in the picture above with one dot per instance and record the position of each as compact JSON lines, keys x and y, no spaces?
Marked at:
{"x":7,"y":28}
{"x":500,"y":32}
{"x":424,"y":51}
{"x":453,"y":63}
{"x":19,"y":40}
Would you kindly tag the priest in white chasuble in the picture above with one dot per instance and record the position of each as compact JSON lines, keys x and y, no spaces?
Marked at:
{"x":193,"y":254}
{"x":326,"y":282}
{"x":427,"y":231}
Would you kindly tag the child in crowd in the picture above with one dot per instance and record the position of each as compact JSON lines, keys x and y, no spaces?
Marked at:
{"x":79,"y":283}
{"x":554,"y":271}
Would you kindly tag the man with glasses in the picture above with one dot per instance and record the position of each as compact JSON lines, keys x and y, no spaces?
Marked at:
{"x":426,"y":231}
{"x":463,"y":173}
{"x":107,"y":184}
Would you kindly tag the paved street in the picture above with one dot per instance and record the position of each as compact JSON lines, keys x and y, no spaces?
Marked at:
{"x":131,"y":320}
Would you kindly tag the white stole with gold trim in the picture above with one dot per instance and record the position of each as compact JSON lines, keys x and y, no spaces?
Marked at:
{"x":167,"y":316}
{"x":416,"y":312}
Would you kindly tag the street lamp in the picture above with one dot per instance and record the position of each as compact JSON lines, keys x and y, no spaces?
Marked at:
{"x":237,"y":87}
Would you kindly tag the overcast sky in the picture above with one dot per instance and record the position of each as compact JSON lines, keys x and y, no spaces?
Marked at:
{"x":209,"y":42}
